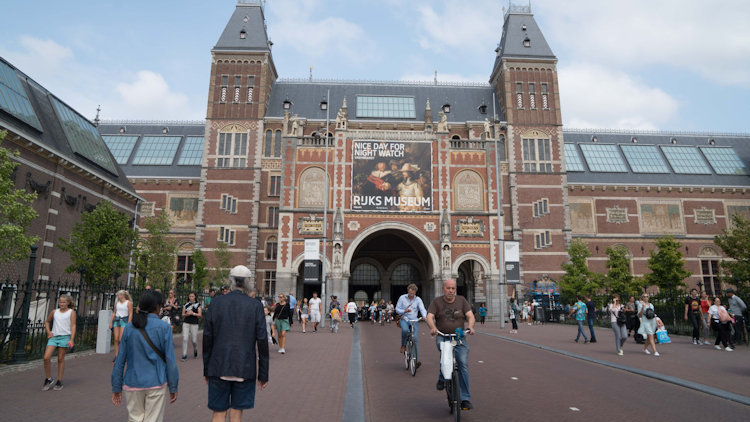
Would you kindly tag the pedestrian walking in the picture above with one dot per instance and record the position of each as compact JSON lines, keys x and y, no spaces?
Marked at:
{"x":648,"y":323}
{"x":720,"y":320}
{"x":292,"y":307}
{"x":351,"y":312}
{"x":591,"y":317}
{"x":736,"y":309}
{"x":618,"y":321}
{"x":147,"y":359}
{"x":281,"y":315}
{"x":513,"y":313}
{"x":316,"y":311}
{"x":705,"y":317}
{"x":579,"y":309}
{"x":171,"y":310}
{"x":631,"y":314}
{"x":60,"y":337}
{"x":120,"y":317}
{"x":482,"y":311}
{"x":305,"y":312}
{"x":335,"y":319}
{"x":269,"y":324}
{"x":526,"y":313}
{"x":192,"y":312}
{"x":232,"y":332}
{"x":693,"y":314}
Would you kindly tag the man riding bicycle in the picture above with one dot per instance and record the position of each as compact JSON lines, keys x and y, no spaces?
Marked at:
{"x":409,"y":307}
{"x":446,"y":314}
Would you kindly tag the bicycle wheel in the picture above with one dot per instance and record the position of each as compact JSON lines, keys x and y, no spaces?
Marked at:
{"x":449,"y":394}
{"x":456,"y":390}
{"x":407,"y":358}
{"x":412,"y":358}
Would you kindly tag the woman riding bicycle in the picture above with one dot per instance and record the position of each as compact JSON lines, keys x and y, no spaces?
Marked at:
{"x":446,"y":314}
{"x":410,"y":306}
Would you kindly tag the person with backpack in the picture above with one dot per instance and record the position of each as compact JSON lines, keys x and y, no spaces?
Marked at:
{"x":618,"y":319}
{"x":648,"y":323}
{"x":148,"y":350}
{"x":579,"y":309}
{"x":720,"y":320}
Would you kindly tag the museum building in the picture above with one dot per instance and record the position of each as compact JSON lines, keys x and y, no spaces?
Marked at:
{"x":406,"y":182}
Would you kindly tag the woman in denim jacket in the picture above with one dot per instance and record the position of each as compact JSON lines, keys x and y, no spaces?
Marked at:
{"x":149,"y":375}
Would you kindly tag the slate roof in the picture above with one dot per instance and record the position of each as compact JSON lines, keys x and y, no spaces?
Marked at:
{"x":182,"y":129}
{"x":740,"y":144}
{"x":520,"y":24}
{"x":464,"y":99}
{"x":52,"y":134}
{"x":247,"y":17}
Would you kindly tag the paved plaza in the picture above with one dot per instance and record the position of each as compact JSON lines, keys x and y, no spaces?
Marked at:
{"x":537,"y":374}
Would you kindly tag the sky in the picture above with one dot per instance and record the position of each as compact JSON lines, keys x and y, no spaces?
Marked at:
{"x":679,"y":65}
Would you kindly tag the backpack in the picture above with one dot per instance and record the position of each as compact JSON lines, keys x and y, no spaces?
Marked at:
{"x":724,"y":315}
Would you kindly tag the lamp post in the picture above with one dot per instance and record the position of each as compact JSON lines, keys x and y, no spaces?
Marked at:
{"x":324,"y":295}
{"x":498,"y":195}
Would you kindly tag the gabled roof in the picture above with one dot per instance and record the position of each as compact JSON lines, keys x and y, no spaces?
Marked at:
{"x":306,"y":96}
{"x":248,"y":18}
{"x":518,"y":27}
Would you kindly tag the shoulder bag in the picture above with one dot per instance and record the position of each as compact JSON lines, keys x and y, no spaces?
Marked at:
{"x":148,"y":340}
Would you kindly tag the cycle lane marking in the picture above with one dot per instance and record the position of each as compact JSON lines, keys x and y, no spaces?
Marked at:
{"x":354,"y":401}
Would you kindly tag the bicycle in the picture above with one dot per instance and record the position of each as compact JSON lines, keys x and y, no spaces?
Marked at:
{"x":449,"y":368}
{"x":410,"y":353}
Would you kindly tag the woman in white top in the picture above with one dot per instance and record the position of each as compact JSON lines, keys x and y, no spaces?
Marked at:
{"x":122,"y":315}
{"x":621,"y":331}
{"x":720,"y":321}
{"x":60,"y":335}
{"x":648,"y":325}
{"x":305,"y":312}
{"x":351,"y":312}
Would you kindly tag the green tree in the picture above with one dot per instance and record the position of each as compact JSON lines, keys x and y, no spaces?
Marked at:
{"x":16,"y":211}
{"x":619,"y":278}
{"x":735,"y":242}
{"x":667,"y":266}
{"x":578,"y":279}
{"x":223,"y":260}
{"x":101,"y":244}
{"x":200,"y":272}
{"x":156,"y":252}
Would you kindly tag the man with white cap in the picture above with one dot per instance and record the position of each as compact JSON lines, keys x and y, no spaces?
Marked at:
{"x":232,"y":331}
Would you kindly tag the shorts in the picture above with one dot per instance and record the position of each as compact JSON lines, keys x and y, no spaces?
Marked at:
{"x":304,"y":316}
{"x":59,"y":341}
{"x":225,"y":394}
{"x":120,"y":322}
{"x":314,"y":316}
{"x":281,"y":324}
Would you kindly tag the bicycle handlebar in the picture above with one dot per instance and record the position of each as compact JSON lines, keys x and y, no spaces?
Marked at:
{"x":466,"y":331}
{"x":412,"y":320}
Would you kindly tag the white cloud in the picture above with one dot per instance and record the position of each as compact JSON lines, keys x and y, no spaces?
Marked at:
{"x":451,"y":24}
{"x":711,"y":39}
{"x":39,"y":58}
{"x":149,"y":96}
{"x":594,"y":96}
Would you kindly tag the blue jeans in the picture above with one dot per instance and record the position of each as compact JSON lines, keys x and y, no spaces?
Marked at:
{"x":591,"y":328}
{"x":405,"y":333}
{"x":580,"y":330}
{"x":462,"y":355}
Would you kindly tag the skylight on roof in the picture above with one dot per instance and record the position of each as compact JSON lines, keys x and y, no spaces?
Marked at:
{"x":120,"y":146}
{"x":572,"y":159}
{"x":724,"y":160}
{"x":644,"y":159}
{"x":156,"y":150}
{"x":13,"y":98}
{"x":192,"y":152}
{"x":385,"y":107}
{"x":603,"y":158}
{"x":685,"y":160}
{"x":83,"y":137}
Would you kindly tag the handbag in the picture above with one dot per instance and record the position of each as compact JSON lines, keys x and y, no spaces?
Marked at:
{"x":649,"y":313}
{"x":148,"y":340}
{"x":621,"y":317}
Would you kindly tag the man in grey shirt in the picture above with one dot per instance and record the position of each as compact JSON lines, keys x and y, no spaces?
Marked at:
{"x":737,"y":308}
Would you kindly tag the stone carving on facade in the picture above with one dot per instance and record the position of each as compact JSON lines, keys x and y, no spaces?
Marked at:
{"x":338,"y":257}
{"x":39,"y":188}
{"x":147,"y":209}
{"x":312,"y":185}
{"x":430,"y":227}
{"x":285,"y":122}
{"x":469,"y":190}
{"x":446,"y":257}
{"x":487,"y":130}
{"x":342,"y":117}
{"x":294,"y":129}
{"x":442,"y":125}
{"x":704,"y":215}
{"x":310,"y":225}
{"x":353,"y":225}
{"x":470,"y":227}
{"x":338,"y":225}
{"x":428,"y":117}
{"x":445,"y":226}
{"x":71,"y":200}
{"x":617,"y":215}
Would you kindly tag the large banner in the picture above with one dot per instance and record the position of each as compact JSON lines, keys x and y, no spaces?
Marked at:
{"x":392,"y":176}
{"x":512,"y":263}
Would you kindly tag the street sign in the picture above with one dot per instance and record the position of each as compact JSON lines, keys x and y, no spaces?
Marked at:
{"x":512,"y":263}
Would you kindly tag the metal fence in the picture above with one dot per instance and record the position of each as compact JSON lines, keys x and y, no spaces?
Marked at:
{"x":42,"y":297}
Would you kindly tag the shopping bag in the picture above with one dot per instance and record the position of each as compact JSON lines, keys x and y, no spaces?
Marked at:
{"x":446,"y":359}
{"x":662,"y":337}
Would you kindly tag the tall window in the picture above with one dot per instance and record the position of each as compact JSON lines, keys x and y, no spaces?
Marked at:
{"x":184,"y":269}
{"x":710,"y":270}
{"x":250,"y":81}
{"x":237,"y":81}
{"x":275,"y":186}
{"x":277,"y":144}
{"x":228,"y":203}
{"x":532,"y":95}
{"x":545,"y":101}
{"x":269,"y":283}
{"x":272,"y":146}
{"x":519,"y":95}
{"x":541,"y":207}
{"x":224,"y":81}
{"x":542,"y":240}
{"x":537,"y":156}
{"x":273,"y":216}
{"x":227,"y":235}
{"x":272,"y":247}
{"x":232,"y":151}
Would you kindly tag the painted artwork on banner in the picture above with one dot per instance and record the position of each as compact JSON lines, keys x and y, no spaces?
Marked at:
{"x":392,"y":176}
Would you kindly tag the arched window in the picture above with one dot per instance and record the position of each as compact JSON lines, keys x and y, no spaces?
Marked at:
{"x":404,"y":274}
{"x":365,"y":275}
{"x":272,"y":246}
{"x":710,"y":258}
{"x":268,"y":146}
{"x":277,"y":144}
{"x":468,"y":191}
{"x":312,"y":185}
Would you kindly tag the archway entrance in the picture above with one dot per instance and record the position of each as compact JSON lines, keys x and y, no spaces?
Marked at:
{"x":469,"y":272}
{"x":385,"y":263}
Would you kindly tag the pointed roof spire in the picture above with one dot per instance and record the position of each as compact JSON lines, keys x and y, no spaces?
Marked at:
{"x":96,"y":119}
{"x":522,"y":37}
{"x":246,"y":29}
{"x":344,"y":105}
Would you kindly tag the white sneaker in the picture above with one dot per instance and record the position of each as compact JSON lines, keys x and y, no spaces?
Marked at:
{"x":656,"y":354}
{"x":729,"y":349}
{"x":717,"y":347}
{"x":619,"y":353}
{"x":282,"y":351}
{"x":706,"y":342}
{"x":695,"y":341}
{"x":646,"y":351}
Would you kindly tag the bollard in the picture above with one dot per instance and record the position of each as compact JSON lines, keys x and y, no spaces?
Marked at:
{"x":103,"y":333}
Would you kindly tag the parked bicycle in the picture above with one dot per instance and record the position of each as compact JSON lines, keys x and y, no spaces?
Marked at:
{"x":410,"y":353}
{"x":449,"y":369}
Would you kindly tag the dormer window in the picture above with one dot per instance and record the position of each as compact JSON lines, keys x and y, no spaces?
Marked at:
{"x":523,"y":27}
{"x":324,"y":104}
{"x":243,"y":34}
{"x":526,"y":42}
{"x":483,"y":108}
{"x":674,"y":140}
{"x":165,"y":130}
{"x":287,"y":104}
{"x":711,"y":141}
{"x":634,"y":140}
{"x":594,"y":139}
{"x":123,"y":129}
{"x":446,"y":108}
